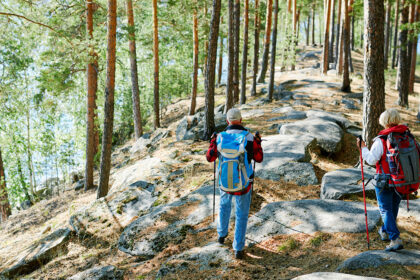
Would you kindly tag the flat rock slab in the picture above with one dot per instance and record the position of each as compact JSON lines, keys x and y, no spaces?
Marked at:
{"x":333,"y":117}
{"x":119,"y":207}
{"x":284,"y":153}
{"x":283,"y":110}
{"x":144,"y":172}
{"x":328,"y":134}
{"x":40,"y":252}
{"x":151,"y":233}
{"x":252,"y":113}
{"x":210,"y":257}
{"x":99,"y":273}
{"x":337,"y":183}
{"x":414,"y":209}
{"x":379,"y":258}
{"x":309,"y":216}
{"x":333,"y":276}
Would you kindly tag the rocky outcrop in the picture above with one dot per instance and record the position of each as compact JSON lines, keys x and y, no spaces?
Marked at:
{"x":99,"y":273}
{"x":39,"y":253}
{"x":377,"y":258}
{"x":309,"y":216}
{"x":333,"y":276}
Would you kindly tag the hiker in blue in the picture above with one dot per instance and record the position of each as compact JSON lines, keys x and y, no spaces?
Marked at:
{"x":235,"y":148}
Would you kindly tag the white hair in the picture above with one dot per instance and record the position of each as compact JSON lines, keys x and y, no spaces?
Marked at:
{"x":390,"y":116}
{"x":233,"y":115}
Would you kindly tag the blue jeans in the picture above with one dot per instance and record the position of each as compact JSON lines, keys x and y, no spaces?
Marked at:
{"x":389,"y":201}
{"x":243,"y":203}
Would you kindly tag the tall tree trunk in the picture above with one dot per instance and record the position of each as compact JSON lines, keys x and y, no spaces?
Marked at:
{"x":374,"y":81}
{"x":210,"y":73}
{"x":394,"y":51}
{"x":206,"y":43}
{"x":332,"y":35}
{"x":273,"y":51}
{"x":219,"y":79}
{"x":313,"y":23}
{"x":109,"y":101}
{"x":5,"y":209}
{"x":404,"y":64}
{"x":138,"y":129}
{"x":264,"y":63}
{"x":307,"y":29}
{"x":245,"y":53}
{"x":236,"y":52}
{"x":32,"y":180}
{"x":387,"y":28}
{"x":413,"y":56}
{"x":352,"y":30}
{"x":295,"y":35}
{"x":256,"y":48}
{"x":231,"y":57}
{"x":156,"y":103}
{"x":326,"y":37}
{"x":410,"y":38}
{"x":92,"y":85}
{"x":346,"y":38}
{"x":195,"y":62}
{"x":338,"y":30}
{"x":341,"y":48}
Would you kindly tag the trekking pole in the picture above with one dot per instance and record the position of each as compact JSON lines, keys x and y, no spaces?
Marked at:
{"x":364,"y":193}
{"x":214,"y":187}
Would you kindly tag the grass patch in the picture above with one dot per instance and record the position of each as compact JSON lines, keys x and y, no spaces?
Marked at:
{"x":289,"y":245}
{"x":318,"y":239}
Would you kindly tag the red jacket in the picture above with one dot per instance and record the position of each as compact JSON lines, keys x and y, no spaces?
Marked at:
{"x":253,"y":148}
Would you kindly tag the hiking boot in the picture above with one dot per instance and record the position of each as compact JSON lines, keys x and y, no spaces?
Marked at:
{"x":384,"y":236}
{"x":221,"y":240}
{"x":239,"y":255}
{"x":394,"y":245}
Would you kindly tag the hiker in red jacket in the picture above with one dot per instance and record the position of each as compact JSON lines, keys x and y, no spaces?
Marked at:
{"x":388,"y":197}
{"x":253,"y":151}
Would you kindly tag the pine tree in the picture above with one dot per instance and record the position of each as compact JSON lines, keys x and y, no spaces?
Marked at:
{"x":231,"y":57}
{"x":109,"y":101}
{"x":5,"y":210}
{"x":403,"y":64}
{"x":256,"y":48}
{"x":374,"y":81}
{"x":245,"y":53}
{"x":156,"y":103}
{"x":264,"y":62}
{"x":346,"y":44}
{"x":210,"y":73}
{"x":195,"y":64}
{"x":326,"y":37}
{"x":394,"y":51}
{"x":273,"y":51}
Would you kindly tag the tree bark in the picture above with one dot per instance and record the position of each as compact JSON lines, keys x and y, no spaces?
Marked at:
{"x":219,"y":80}
{"x":346,"y":41}
{"x":295,"y":35}
{"x":231,"y":57}
{"x":338,"y":29}
{"x":156,"y":103}
{"x":210,"y":73}
{"x":109,"y":101}
{"x":374,"y":82}
{"x":138,"y":129}
{"x":352,"y":30}
{"x":397,"y":14}
{"x":256,"y":48}
{"x":387,"y":28}
{"x":245,"y":53}
{"x":413,"y":56}
{"x":326,"y":38}
{"x":273,"y":51}
{"x":307,"y":29}
{"x":410,"y":38}
{"x":5,"y":209}
{"x":236,"y":52}
{"x":206,"y":43}
{"x":264,"y":63}
{"x":313,"y":24}
{"x":92,"y":85}
{"x":341,"y":48}
{"x":404,"y":64}
{"x":332,"y":35}
{"x":195,"y":64}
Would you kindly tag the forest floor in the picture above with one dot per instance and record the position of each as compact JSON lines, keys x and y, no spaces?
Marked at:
{"x":282,"y":257}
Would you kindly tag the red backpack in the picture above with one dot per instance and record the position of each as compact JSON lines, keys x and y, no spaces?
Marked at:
{"x":402,"y":155}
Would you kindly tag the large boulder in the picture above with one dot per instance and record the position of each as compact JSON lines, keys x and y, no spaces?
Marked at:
{"x":337,"y":183}
{"x":377,"y":258}
{"x":192,"y":127}
{"x":213,"y":256}
{"x":144,"y":172}
{"x":328,"y":134}
{"x":39,"y":253}
{"x":141,"y":144}
{"x":99,"y":273}
{"x":309,"y":216}
{"x":166,"y":224}
{"x":333,"y":276}
{"x":286,"y":157}
{"x":332,"y":117}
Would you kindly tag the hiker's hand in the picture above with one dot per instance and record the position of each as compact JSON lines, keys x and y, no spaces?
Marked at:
{"x":360,"y":143}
